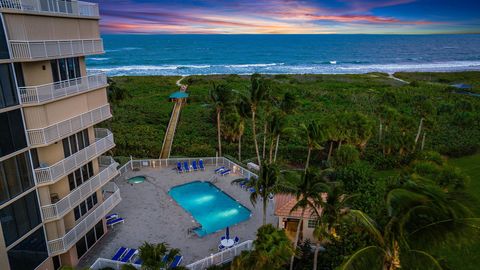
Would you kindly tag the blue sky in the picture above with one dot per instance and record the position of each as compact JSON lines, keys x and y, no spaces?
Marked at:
{"x":290,"y":17}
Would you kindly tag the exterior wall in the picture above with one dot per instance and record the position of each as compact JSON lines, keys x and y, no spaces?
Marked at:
{"x":37,"y":73}
{"x":46,"y":265}
{"x":45,"y":115}
{"x":37,"y":27}
{"x":307,"y":233}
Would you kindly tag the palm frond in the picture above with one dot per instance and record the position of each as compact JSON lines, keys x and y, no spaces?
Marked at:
{"x":364,"y":221}
{"x":371,"y":257}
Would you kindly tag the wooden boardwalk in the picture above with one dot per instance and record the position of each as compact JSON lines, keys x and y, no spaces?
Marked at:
{"x":172,"y":124}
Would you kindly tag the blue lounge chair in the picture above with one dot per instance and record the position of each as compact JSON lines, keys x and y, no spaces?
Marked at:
{"x":225,"y":172}
{"x":251,"y":190}
{"x":236,"y":240}
{"x":176,"y":261}
{"x":129,"y":255}
{"x":111,"y":216}
{"x":114,"y":221}
{"x":194,"y":165}
{"x":222,"y":238}
{"x":120,"y":252}
{"x":185,"y":166}
{"x":138,"y":261}
{"x":179,"y":167}
{"x":221,"y":247}
{"x":200,"y":164}
{"x":219,"y":169}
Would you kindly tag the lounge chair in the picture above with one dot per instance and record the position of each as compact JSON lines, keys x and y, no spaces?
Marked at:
{"x":225,"y":172}
{"x":194,"y":165}
{"x":120,"y":252}
{"x":132,"y":252}
{"x":176,"y":261}
{"x":112,"y":222}
{"x":179,"y":167}
{"x":222,"y":238}
{"x":111,"y":216}
{"x":185,"y":166}
{"x":138,"y":261}
{"x":219,"y":169}
{"x":251,"y":190}
{"x":200,"y":164}
{"x":221,"y":247}
{"x":236,"y":240}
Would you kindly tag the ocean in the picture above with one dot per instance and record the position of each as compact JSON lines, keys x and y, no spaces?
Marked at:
{"x":284,"y":54}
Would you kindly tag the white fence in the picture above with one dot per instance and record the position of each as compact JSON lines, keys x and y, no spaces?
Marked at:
{"x":207,"y":161}
{"x":47,"y":92}
{"x":32,"y":50}
{"x":64,"y":243}
{"x":102,"y":263}
{"x":221,"y":257}
{"x":73,"y":7}
{"x":63,"y":206}
{"x":60,"y":130}
{"x":104,"y":142}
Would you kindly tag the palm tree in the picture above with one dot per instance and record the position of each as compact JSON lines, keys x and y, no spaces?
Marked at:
{"x":334,"y":209}
{"x":420,"y":216}
{"x":314,"y":138}
{"x":258,"y":92}
{"x":269,"y":181}
{"x":153,"y":255}
{"x":308,"y":192}
{"x":272,"y":250}
{"x":220,"y":95}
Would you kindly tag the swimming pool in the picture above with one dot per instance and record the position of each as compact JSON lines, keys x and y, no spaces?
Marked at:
{"x":210,"y":206}
{"x":137,"y":179}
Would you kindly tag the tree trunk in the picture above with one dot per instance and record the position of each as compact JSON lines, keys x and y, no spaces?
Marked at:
{"x":219,"y":134}
{"x":308,"y":158}
{"x":418,"y":133}
{"x":276,"y":148}
{"x":240,"y":148}
{"x":297,"y":235}
{"x":380,"y":132}
{"x":271,"y":151}
{"x":254,"y":131}
{"x":264,"y":140}
{"x":423,"y":140}
{"x":340,"y":144}
{"x":330,"y":151}
{"x":315,"y":256}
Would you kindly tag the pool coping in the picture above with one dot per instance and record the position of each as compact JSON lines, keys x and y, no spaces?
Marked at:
{"x":192,"y":216}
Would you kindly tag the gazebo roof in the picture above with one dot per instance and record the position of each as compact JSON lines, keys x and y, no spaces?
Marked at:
{"x":178,"y":94}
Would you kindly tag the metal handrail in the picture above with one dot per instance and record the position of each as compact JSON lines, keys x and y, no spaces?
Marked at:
{"x":76,"y":8}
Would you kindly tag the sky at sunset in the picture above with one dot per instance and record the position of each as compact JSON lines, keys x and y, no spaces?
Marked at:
{"x":289,"y":16}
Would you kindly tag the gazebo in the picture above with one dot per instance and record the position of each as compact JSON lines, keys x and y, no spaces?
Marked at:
{"x":178,"y":96}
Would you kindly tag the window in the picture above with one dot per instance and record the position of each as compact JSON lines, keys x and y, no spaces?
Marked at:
{"x":87,"y":242}
{"x":4,"y":54}
{"x":12,"y":132}
{"x":29,"y":253}
{"x":85,"y":206}
{"x":75,"y":143}
{"x":8,"y":90}
{"x":15,"y":176}
{"x":312,"y":223}
{"x":20,"y":217}
{"x":80,"y":176}
{"x":65,"y":69}
{"x":19,"y":74}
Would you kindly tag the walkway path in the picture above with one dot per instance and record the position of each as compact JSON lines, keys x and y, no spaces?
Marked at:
{"x":172,"y":124}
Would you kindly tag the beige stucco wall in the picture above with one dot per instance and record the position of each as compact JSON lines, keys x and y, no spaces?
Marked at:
{"x":32,"y":27}
{"x":45,"y":115}
{"x":37,"y":73}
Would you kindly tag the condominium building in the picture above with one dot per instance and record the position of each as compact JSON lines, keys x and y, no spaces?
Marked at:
{"x":55,"y":186}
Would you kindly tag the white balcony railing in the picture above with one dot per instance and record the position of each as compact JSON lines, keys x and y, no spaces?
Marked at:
{"x":66,"y":204}
{"x":73,"y":7}
{"x":52,"y":133}
{"x":33,"y":50}
{"x":48,"y":92}
{"x":104,"y":142}
{"x":64,"y":243}
{"x":221,"y":257}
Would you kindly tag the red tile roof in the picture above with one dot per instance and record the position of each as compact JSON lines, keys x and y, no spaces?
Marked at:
{"x":284,"y":204}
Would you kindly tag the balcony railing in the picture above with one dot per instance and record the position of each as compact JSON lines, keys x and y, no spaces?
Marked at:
{"x":60,"y":208}
{"x":104,"y":142}
{"x":33,"y":50}
{"x":48,"y":92}
{"x":64,"y":243}
{"x":52,"y":133}
{"x":76,"y":8}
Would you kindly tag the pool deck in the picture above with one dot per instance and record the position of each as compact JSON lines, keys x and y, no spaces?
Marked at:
{"x":152,"y":215}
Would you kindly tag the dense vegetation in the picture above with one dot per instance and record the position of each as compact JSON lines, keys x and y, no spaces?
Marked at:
{"x":333,"y":135}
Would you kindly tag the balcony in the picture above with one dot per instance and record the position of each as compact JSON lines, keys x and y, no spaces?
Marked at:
{"x":64,"y":243}
{"x":44,"y":49}
{"x":60,"y":130}
{"x":75,"y":8}
{"x":104,"y":142}
{"x":108,"y":170}
{"x":52,"y":91}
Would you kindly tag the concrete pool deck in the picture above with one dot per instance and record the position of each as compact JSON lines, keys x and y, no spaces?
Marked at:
{"x":152,"y":215}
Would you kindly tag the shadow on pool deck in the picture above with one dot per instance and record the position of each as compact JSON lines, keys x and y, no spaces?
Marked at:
{"x":151,"y":215}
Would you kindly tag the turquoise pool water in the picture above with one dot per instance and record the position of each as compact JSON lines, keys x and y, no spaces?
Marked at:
{"x":137,"y":179}
{"x":210,"y":206}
